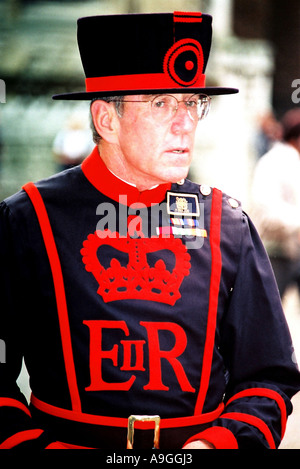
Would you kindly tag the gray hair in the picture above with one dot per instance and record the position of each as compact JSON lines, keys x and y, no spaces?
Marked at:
{"x":118,"y":101}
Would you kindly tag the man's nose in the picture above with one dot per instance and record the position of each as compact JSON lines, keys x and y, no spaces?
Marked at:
{"x":182,"y":120}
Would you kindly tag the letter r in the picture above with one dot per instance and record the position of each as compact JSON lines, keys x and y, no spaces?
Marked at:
{"x":156,"y":355}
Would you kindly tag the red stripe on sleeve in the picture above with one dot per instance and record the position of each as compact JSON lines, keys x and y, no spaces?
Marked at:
{"x":265,"y":392}
{"x":220,"y":437}
{"x":20,"y":437}
{"x":255,"y":422}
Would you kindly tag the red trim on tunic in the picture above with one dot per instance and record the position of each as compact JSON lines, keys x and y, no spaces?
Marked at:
{"x":62,"y":445}
{"x":265,"y":392}
{"x":220,"y":437}
{"x":20,"y":437}
{"x":216,"y":267}
{"x":105,"y":182}
{"x":123,"y":422}
{"x":255,"y":422}
{"x":9,"y":402}
{"x":62,"y":310}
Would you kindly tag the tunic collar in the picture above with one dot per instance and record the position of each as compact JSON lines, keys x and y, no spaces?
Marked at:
{"x":110,"y":185}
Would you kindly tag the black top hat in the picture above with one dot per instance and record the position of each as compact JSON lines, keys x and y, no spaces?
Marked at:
{"x":145,"y":54}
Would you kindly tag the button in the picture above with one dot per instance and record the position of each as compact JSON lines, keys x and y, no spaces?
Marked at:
{"x":181,"y":182}
{"x":233,"y":203}
{"x":205,"y":190}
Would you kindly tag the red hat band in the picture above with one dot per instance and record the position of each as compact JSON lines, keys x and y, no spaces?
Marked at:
{"x":154,"y":81}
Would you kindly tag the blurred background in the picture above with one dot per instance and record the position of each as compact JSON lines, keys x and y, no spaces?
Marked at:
{"x":256,"y":48}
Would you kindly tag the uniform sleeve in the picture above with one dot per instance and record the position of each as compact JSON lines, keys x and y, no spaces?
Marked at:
{"x":17,"y":428}
{"x":262,"y":375}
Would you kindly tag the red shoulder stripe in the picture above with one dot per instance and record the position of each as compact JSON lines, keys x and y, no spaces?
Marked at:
{"x":216,"y":267}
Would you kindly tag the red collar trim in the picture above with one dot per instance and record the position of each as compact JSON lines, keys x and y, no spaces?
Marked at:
{"x":104,"y":181}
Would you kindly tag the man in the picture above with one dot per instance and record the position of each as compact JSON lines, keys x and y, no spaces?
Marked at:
{"x":145,"y":306}
{"x":276,"y":203}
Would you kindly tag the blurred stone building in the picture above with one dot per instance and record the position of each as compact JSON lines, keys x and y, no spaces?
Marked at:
{"x":279,"y":23}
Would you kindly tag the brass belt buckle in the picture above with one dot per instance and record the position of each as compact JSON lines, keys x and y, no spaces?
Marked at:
{"x":143,"y":418}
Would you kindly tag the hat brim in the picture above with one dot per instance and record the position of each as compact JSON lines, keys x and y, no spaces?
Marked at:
{"x":83,"y":95}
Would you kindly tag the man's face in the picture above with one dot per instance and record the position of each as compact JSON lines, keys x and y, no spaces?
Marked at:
{"x":155,"y":152}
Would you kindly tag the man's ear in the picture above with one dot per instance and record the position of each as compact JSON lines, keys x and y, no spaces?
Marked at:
{"x":105,"y":120}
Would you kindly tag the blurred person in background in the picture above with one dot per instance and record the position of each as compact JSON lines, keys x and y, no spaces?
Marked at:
{"x":268,"y":133}
{"x":276,"y":202}
{"x":73,"y":143}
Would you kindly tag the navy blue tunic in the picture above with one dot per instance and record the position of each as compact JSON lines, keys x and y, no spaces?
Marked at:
{"x":123,"y":303}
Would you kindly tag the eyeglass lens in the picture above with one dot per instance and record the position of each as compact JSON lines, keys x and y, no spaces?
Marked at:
{"x":165,"y":106}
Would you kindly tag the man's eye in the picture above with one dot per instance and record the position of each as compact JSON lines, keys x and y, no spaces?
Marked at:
{"x":159,"y":104}
{"x":191,"y":103}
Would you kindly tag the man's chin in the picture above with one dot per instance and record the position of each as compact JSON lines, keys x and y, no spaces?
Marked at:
{"x":178,"y":176}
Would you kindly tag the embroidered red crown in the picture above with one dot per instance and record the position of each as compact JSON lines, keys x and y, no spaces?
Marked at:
{"x":137,"y":279}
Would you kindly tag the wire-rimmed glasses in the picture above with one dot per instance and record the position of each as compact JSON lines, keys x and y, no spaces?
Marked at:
{"x":165,"y":106}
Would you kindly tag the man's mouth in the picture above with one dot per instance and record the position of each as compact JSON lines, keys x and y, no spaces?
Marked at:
{"x":179,"y":151}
